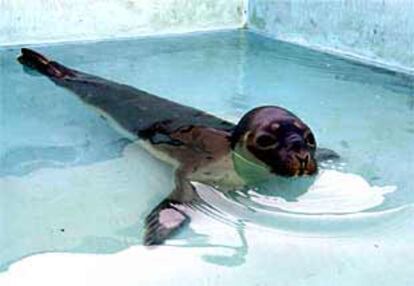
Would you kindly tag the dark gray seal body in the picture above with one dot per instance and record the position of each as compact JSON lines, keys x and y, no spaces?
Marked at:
{"x":199,"y":145}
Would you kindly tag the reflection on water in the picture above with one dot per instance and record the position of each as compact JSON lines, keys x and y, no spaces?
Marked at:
{"x":230,"y":253}
{"x":239,"y":252}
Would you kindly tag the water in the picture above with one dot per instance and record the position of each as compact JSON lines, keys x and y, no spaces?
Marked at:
{"x":70,"y":183}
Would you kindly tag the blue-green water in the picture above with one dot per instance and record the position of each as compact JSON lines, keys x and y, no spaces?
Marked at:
{"x":70,"y":183}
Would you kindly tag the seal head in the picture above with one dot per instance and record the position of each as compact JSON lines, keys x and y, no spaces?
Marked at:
{"x":276,"y":139}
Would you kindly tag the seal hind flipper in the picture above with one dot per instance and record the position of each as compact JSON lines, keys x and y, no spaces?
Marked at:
{"x":36,"y":61}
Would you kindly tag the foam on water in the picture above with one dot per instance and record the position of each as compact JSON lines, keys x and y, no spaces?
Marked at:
{"x":332,"y":192}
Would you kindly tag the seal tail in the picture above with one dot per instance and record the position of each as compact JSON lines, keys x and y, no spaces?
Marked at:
{"x":40,"y":63}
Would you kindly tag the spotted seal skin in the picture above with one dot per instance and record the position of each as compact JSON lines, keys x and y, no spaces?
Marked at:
{"x":198,"y":144}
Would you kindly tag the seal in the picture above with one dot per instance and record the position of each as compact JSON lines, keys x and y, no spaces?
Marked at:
{"x":201,"y":147}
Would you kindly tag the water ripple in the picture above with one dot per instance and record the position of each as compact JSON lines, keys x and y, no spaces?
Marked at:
{"x":334,"y":204}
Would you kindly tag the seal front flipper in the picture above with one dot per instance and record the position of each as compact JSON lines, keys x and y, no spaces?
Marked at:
{"x":170,"y":215}
{"x":325,"y":154}
{"x":164,"y":221}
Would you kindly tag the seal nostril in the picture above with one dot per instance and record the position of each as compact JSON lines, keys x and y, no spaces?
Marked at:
{"x":303,"y":160}
{"x":306,"y":159}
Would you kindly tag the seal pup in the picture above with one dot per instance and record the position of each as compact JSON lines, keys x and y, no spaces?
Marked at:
{"x":200,"y":146}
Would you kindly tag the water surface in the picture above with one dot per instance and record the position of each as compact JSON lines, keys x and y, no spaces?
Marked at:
{"x":70,"y":183}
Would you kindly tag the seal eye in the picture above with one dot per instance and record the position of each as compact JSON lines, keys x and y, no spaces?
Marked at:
{"x":310,"y":140}
{"x":266,"y":141}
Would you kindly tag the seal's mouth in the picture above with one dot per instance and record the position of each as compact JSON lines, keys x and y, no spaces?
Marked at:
{"x":296,"y":165}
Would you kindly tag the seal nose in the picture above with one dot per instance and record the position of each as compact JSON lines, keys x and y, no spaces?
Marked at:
{"x":296,"y":142}
{"x":303,"y":160}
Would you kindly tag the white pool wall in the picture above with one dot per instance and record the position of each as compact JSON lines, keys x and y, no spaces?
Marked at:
{"x":46,"y":21}
{"x":374,"y":31}
{"x":379,"y":32}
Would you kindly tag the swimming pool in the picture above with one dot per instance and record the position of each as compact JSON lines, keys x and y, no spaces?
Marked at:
{"x":70,"y":183}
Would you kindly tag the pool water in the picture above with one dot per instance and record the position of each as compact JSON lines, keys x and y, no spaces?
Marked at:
{"x":70,"y":183}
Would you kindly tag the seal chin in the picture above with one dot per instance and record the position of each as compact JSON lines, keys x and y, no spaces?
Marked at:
{"x":293,"y":169}
{"x":305,"y":172}
{"x":295,"y":173}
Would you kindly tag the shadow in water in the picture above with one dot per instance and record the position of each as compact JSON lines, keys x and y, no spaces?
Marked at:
{"x":237,"y":258}
{"x":234,"y":259}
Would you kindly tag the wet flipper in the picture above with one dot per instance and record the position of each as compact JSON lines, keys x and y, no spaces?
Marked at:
{"x":40,"y":63}
{"x":164,"y":221}
{"x":170,"y":215}
{"x":325,"y":154}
